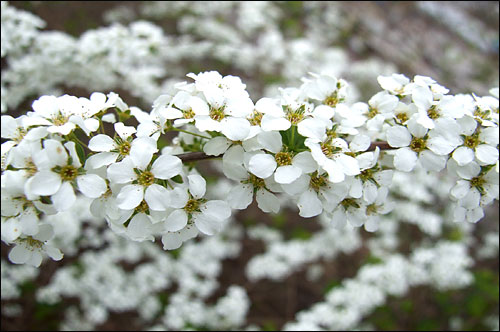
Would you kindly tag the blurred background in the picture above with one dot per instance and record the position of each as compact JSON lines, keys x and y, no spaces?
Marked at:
{"x":86,"y":46}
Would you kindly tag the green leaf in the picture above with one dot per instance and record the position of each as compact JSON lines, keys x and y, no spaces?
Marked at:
{"x":177,"y":179}
{"x":81,"y":153}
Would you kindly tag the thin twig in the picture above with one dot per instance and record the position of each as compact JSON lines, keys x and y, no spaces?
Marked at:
{"x":195,"y":156}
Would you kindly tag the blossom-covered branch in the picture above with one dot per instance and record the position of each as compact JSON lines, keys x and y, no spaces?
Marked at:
{"x":308,"y":144}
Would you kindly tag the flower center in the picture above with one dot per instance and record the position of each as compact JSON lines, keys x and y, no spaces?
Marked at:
{"x":188,"y":114}
{"x":349,"y":202}
{"x":332,"y":100}
{"x":418,"y":144}
{"x":256,"y":118}
{"x":283,"y":158}
{"x":31,"y":242}
{"x":402,"y":117}
{"x":59,"y":119}
{"x":255,"y":181}
{"x":146,"y":179}
{"x":471,"y":141}
{"x":477,"y":182}
{"x":371,"y":209}
{"x":193,"y":205}
{"x":217,"y":114}
{"x":366,"y":175}
{"x":295,"y":116}
{"x":20,"y":133}
{"x":481,"y":114}
{"x":372,"y":112}
{"x":317,"y":181}
{"x":124,"y":148}
{"x":68,"y":173}
{"x":433,"y":113}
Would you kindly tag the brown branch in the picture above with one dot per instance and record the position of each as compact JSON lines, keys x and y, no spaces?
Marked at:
{"x":195,"y":156}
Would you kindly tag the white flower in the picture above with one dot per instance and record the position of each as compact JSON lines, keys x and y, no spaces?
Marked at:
{"x":141,"y":178}
{"x":476,"y":187}
{"x":395,"y":83}
{"x":330,"y":155}
{"x":58,"y":172}
{"x":415,"y":145}
{"x":241,"y":195}
{"x":192,"y":208}
{"x":478,"y":142}
{"x":111,"y":150}
{"x":378,"y":207}
{"x":29,"y":250}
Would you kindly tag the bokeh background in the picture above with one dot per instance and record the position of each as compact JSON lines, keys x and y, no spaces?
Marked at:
{"x":269,"y":45}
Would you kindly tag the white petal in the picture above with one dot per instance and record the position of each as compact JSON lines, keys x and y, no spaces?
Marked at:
{"x":469,"y":171}
{"x":305,"y":161}
{"x":178,"y":197}
{"x":35,"y":259}
{"x":313,"y":128}
{"x":44,"y":183}
{"x":339,"y":219}
{"x":463,"y":155}
{"x":262,"y":165}
{"x":360,"y":143}
{"x":309,"y":204}
{"x":217,"y":146}
{"x":475,"y":215}
{"x":431,"y":161}
{"x":270,"y":123}
{"x":205,"y":224}
{"x":139,"y":228}
{"x":124,"y":131}
{"x":19,"y":254}
{"x":176,"y":221}
{"x":157,"y":197}
{"x":56,"y":152}
{"x":130,"y":196}
{"x":142,"y":151}
{"x":270,"y":141}
{"x":91,"y":185}
{"x":236,"y":129}
{"x":371,"y":225}
{"x":349,"y":164}
{"x":440,"y":145}
{"x":405,"y":159}
{"x":267,"y":201}
{"x":166,"y":167}
{"x":460,"y":189}
{"x":356,"y":189}
{"x":487,"y":154}
{"x":171,"y":241}
{"x":11,"y":229}
{"x":53,"y":252}
{"x":64,"y":198}
{"x":197,"y":185}
{"x":471,"y":200}
{"x":335,"y":171}
{"x":398,"y":136}
{"x":101,"y":143}
{"x":240,"y":196}
{"x":45,"y":233}
{"x":287,"y":174}
{"x":369,"y":192}
{"x":122,"y":172}
{"x":101,"y":159}
{"x":217,"y":210}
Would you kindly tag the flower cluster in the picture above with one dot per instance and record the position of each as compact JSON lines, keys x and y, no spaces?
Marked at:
{"x":307,"y":144}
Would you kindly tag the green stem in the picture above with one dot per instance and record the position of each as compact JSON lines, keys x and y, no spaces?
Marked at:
{"x":292,"y":138}
{"x":188,"y":132}
{"x":72,"y":137}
